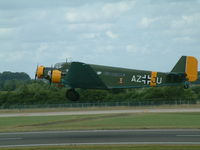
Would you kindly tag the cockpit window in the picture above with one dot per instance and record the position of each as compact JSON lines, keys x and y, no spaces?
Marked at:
{"x":59,"y":65}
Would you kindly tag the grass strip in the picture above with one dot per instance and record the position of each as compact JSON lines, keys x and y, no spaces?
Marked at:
{"x":106,"y":121}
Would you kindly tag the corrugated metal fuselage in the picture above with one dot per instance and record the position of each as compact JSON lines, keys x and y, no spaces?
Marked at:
{"x":81,"y":75}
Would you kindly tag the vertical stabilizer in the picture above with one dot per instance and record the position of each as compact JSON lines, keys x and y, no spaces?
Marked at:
{"x":189,"y":66}
{"x":180,"y":65}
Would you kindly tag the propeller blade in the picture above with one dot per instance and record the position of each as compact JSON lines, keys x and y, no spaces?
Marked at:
{"x":35,"y":76}
{"x":36,"y":72}
{"x":50,"y":80}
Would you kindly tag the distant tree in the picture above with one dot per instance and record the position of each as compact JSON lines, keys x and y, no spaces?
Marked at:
{"x":11,"y":80}
{"x":7,"y":75}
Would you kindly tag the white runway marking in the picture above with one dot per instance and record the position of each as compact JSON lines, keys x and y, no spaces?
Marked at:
{"x":188,"y":135}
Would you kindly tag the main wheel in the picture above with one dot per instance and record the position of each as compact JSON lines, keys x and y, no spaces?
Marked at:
{"x":72,"y":95}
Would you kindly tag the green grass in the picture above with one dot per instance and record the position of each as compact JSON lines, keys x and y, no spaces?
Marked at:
{"x":107,"y":121}
{"x":112,"y":147}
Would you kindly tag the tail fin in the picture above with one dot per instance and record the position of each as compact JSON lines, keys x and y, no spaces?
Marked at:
{"x":189,"y":66}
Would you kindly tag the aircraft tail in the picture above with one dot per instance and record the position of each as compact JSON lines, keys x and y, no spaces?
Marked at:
{"x":189,"y":66}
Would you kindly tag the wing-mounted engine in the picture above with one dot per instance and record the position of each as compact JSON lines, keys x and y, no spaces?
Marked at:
{"x":56,"y":76}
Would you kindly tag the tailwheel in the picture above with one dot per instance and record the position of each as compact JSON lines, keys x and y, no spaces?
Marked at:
{"x":72,"y":95}
{"x":186,"y":85}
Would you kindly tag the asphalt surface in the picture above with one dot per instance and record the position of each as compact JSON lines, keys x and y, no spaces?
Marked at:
{"x":89,"y":112}
{"x":160,"y":136}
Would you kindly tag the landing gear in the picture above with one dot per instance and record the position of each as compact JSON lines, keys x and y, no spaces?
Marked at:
{"x":186,"y":85}
{"x":72,"y":95}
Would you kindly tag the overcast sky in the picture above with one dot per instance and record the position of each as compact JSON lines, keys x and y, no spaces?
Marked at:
{"x":139,"y":34}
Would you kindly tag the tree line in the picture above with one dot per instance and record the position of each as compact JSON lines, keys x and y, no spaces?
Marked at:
{"x":9,"y":81}
{"x":19,"y":89}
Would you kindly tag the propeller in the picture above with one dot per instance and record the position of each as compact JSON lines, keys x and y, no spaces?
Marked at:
{"x":36,"y":72}
{"x":50,"y":78}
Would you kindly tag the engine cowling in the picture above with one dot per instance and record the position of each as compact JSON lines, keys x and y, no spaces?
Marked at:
{"x":40,"y":72}
{"x":56,"y":76}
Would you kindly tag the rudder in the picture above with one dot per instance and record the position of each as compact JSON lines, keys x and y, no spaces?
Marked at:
{"x":192,"y":68}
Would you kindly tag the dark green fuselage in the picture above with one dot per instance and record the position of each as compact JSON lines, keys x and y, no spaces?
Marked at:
{"x":88,"y":76}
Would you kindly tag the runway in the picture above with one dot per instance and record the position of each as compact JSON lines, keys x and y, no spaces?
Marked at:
{"x":92,"y":112}
{"x":153,"y":136}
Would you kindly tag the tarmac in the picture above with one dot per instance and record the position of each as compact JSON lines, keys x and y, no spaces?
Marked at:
{"x":91,"y":137}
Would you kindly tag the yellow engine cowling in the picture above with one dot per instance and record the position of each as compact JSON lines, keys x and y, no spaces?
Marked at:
{"x":56,"y":76}
{"x":40,"y":72}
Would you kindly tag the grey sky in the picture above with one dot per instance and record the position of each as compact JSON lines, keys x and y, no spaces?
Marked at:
{"x":140,"y":34}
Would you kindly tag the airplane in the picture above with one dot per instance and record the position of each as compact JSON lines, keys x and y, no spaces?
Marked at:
{"x":89,"y":76}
